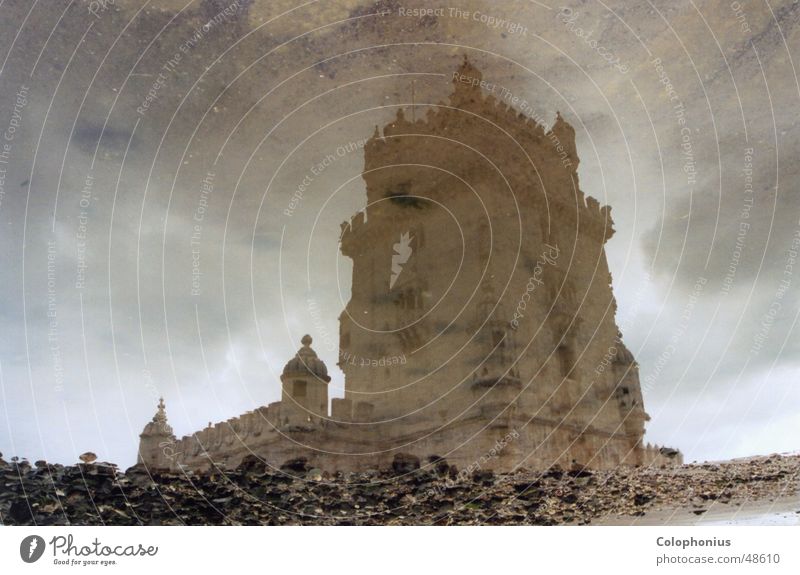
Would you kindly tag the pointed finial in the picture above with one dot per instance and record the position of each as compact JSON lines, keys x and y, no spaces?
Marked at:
{"x":468,"y":79}
{"x":161,"y":413}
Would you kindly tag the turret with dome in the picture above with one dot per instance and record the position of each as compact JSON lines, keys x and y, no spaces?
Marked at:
{"x":304,"y":397}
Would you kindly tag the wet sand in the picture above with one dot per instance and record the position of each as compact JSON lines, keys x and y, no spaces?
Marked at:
{"x":778,"y":512}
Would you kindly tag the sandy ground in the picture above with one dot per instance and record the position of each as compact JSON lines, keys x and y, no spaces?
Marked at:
{"x":781,"y":511}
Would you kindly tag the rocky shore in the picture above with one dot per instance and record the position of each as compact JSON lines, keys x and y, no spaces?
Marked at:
{"x":411,"y":493}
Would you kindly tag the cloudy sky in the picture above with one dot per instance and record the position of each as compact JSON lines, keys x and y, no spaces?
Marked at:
{"x":150,"y":151}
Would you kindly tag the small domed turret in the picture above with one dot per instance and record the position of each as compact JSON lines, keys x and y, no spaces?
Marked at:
{"x":304,"y":397}
{"x":306,"y":362}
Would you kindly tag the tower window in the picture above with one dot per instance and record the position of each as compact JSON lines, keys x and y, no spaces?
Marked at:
{"x":300,"y":389}
{"x":564,"y":360}
{"x":402,"y":195}
{"x":497,"y":338}
{"x":410,"y":298}
{"x":419,"y":237}
{"x":414,"y":298}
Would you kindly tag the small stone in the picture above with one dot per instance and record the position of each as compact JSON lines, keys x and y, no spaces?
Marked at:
{"x":440,"y":465}
{"x":405,"y":463}
{"x":252,"y":464}
{"x":298,"y":465}
{"x":88,"y":457}
{"x":483,"y":476}
{"x":20,"y":511}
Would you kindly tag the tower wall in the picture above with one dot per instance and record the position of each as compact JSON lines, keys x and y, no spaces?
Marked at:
{"x":507,"y":280}
{"x":304,"y":399}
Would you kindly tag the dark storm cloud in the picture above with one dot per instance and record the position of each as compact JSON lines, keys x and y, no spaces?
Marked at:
{"x":88,"y":136}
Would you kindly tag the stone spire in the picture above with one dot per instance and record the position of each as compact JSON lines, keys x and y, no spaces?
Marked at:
{"x":156,"y":441}
{"x":158,"y":425}
{"x":161,"y":414}
{"x":468,"y":70}
{"x":466,"y":83}
{"x":563,"y":133}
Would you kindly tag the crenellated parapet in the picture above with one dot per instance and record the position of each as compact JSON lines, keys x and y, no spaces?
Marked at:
{"x":469,"y":106}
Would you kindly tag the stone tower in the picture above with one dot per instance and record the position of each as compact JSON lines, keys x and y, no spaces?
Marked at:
{"x":481,"y":263}
{"x":157,"y":441}
{"x":304,"y":388}
{"x":481,"y":324}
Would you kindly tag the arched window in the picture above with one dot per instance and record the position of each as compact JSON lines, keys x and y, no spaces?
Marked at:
{"x":564,"y":355}
{"x":497,"y":338}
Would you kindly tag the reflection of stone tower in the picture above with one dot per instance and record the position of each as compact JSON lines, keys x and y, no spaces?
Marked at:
{"x":157,"y":442}
{"x":479,"y":258}
{"x":304,"y":398}
{"x":481,"y":322}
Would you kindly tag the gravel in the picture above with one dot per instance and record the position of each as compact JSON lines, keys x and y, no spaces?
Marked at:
{"x":98,"y":493}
